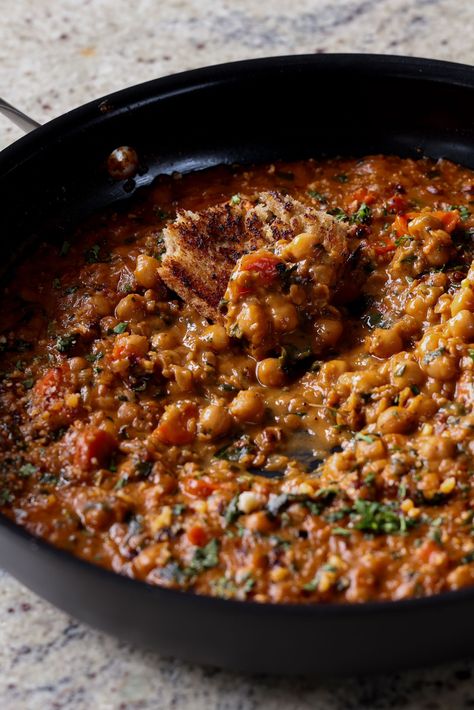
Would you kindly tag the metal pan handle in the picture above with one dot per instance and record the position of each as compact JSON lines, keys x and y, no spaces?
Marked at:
{"x":24,"y":122}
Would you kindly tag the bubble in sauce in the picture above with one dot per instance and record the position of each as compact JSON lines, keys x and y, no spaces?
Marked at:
{"x":122,"y":163}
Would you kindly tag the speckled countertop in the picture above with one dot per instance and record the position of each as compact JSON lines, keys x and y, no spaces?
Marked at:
{"x":57,"y":54}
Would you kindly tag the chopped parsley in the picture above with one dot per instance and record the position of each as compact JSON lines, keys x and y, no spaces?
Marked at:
{"x":374,"y":517}
{"x":339,"y":214}
{"x":204,"y":558}
{"x":5,"y":496}
{"x":120,"y":328}
{"x":64,"y":343}
{"x":121,"y":483}
{"x":276,"y":503}
{"x":373,"y":319}
{"x":92,"y":255}
{"x":429,"y":357}
{"x":49,"y":479}
{"x":234,"y":451}
{"x":343,"y":532}
{"x":94,"y":357}
{"x":314,"y":584}
{"x":403,"y":240}
{"x":144,"y":468}
{"x":317,"y":196}
{"x":464,"y":212}
{"x":28,"y":469}
{"x":364,"y":437}
{"x":363,"y":215}
{"x":232,"y":511}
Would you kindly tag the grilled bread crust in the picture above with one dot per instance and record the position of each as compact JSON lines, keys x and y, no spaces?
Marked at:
{"x":203,"y":247}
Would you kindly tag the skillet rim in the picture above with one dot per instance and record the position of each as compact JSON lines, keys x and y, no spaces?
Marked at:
{"x":194,"y":80}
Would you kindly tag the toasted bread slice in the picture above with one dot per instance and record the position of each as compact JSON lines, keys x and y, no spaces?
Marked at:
{"x":203,"y":247}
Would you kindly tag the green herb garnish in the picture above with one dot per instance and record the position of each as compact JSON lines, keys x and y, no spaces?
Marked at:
{"x":28,"y":469}
{"x":120,"y":328}
{"x":64,"y":343}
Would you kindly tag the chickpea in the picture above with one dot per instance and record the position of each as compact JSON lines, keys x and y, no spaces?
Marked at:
{"x":247,"y":406}
{"x":252,"y":322}
{"x":396,"y":420}
{"x":130,"y":346}
{"x":166,"y":340}
{"x":429,"y":342}
{"x":407,"y":326}
{"x":76,"y":364}
{"x":98,"y":305}
{"x":417,"y":306}
{"x":127,"y":412}
{"x":259,"y":522}
{"x":332,"y":369}
{"x":150,"y":557}
{"x":464,"y":298}
{"x":423,"y":406}
{"x":328,"y":332}
{"x":214,"y":422}
{"x":429,"y":484}
{"x":385,"y":342}
{"x":270,"y":372}
{"x":436,"y":447}
{"x":437,"y":247}
{"x":462,"y":325}
{"x":359,"y":381}
{"x":370,"y":451}
{"x":284,"y":316}
{"x":462,"y":576}
{"x":443,"y":367}
{"x":131,"y":308}
{"x":405,"y":373}
{"x":183,"y":378}
{"x":177,"y":425}
{"x":301,"y":247}
{"x":146,"y":271}
{"x":215,"y":338}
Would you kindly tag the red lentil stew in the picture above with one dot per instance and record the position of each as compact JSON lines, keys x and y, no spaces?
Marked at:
{"x":143,"y":437}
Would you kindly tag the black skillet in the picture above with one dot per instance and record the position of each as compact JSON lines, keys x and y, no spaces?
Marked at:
{"x":285,"y":107}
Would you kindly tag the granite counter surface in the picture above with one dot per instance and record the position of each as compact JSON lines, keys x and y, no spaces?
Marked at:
{"x":57,"y":54}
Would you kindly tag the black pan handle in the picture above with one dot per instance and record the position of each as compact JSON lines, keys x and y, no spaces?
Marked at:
{"x":24,"y":122}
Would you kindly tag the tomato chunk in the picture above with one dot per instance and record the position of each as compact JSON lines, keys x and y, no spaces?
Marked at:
{"x":94,"y":448}
{"x":398,"y":203}
{"x":197,"y":536}
{"x":178,"y":424}
{"x":386,"y":248}
{"x":400,"y":224}
{"x":50,"y":383}
{"x":198,"y":487}
{"x":450,"y":220}
{"x":265,"y":264}
{"x":364,"y":195}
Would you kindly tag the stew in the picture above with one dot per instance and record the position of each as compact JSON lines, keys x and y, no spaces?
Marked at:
{"x":198,"y":454}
